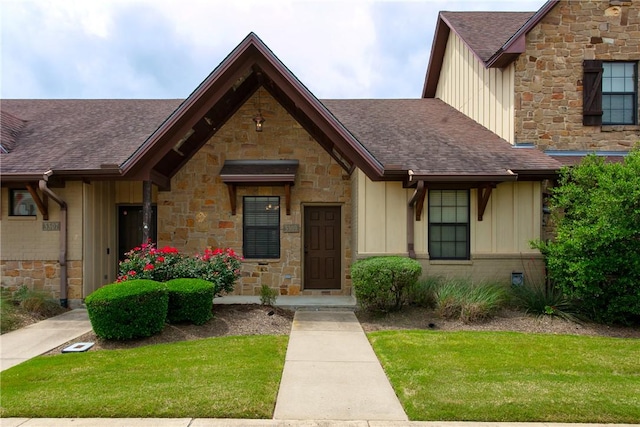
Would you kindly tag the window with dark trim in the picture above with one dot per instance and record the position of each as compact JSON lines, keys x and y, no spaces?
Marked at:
{"x":261,"y":227}
{"x":21,"y":203}
{"x":610,"y":93}
{"x":449,"y":224}
{"x":619,"y":93}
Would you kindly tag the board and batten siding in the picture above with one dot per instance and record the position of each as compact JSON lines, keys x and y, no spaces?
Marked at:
{"x":25,"y":238}
{"x":484,"y":94}
{"x":512,"y":219}
{"x":100,"y":251}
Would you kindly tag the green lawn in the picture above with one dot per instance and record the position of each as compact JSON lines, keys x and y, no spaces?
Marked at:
{"x":226,"y":377}
{"x":503,"y":376}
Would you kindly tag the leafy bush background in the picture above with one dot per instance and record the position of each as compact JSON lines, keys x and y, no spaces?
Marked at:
{"x":595,"y":257}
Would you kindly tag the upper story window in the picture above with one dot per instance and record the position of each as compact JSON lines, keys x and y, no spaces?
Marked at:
{"x":610,"y":93}
{"x":21,"y":203}
{"x":261,"y":228}
{"x":619,"y":93}
{"x":449,"y":224}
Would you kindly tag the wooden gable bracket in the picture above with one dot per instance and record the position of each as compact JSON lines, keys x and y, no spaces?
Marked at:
{"x":41,"y":203}
{"x":232,"y":197}
{"x":483,"y":198}
{"x":417,"y":199}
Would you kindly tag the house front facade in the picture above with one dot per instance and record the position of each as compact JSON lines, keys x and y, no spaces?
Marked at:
{"x":252,"y":160}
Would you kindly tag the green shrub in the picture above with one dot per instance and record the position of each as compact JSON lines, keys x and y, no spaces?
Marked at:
{"x":9,"y":317}
{"x":461,"y":299}
{"x":37,"y":302}
{"x":190,"y":300}
{"x":594,"y":257}
{"x":131,"y":309}
{"x":544,"y":300}
{"x":381,"y":283}
{"x":268,"y":296}
{"x":422,"y":293}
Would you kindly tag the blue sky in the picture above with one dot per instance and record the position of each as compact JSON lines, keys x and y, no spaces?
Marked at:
{"x":165,"y":48}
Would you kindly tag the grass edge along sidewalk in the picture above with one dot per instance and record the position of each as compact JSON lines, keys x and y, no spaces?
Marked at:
{"x":508,"y":376}
{"x":224,"y":377}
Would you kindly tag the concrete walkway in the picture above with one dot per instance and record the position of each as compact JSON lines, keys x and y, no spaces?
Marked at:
{"x":332,"y":373}
{"x":34,"y":340}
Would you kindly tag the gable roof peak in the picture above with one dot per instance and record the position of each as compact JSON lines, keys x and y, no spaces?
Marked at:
{"x":495,"y":38}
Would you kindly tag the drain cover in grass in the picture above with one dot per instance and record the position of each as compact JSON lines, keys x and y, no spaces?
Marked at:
{"x":78,"y":347}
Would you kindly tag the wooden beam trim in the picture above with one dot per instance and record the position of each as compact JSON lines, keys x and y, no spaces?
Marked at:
{"x":43,"y":205}
{"x":232,"y":197}
{"x":417,"y":200}
{"x":483,"y":198}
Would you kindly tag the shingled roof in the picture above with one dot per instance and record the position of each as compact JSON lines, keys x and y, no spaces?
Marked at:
{"x":426,"y":136}
{"x":136,"y":139}
{"x":87,"y":136}
{"x":485,"y":32}
{"x":10,"y":129}
{"x":435,"y":141}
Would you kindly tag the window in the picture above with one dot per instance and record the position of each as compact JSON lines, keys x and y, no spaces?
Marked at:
{"x":449,"y":224}
{"x":610,"y":93}
{"x":21,"y":203}
{"x":261,"y":230}
{"x":619,"y":93}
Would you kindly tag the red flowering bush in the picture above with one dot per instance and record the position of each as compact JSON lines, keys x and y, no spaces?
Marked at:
{"x":218,"y":266}
{"x":148,"y":262}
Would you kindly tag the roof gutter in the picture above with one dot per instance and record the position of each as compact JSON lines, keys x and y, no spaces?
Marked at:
{"x":417,"y":176}
{"x":62,"y":256}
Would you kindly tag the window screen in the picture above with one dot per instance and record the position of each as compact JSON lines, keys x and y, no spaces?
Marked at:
{"x":449,"y":224}
{"x":261,"y":230}
{"x":619,"y":93}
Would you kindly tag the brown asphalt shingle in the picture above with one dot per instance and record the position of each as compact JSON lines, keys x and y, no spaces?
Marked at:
{"x":10,"y":127}
{"x":430,"y":137}
{"x":424,"y":135}
{"x":486,"y":32}
{"x":80,"y":134}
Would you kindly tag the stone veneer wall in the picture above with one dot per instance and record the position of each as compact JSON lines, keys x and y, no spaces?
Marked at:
{"x":42,"y":275}
{"x":196,"y":213}
{"x":548,"y":76}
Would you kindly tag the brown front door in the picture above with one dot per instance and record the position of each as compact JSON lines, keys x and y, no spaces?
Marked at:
{"x":322,"y":247}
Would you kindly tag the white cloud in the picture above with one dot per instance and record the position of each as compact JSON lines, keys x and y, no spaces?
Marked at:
{"x":165,"y":48}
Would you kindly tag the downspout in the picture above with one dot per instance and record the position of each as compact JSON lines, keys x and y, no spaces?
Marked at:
{"x":62,"y":257}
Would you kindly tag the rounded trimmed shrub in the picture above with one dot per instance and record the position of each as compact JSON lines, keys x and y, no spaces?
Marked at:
{"x":381,"y":283}
{"x":132,"y":309}
{"x":190,"y":300}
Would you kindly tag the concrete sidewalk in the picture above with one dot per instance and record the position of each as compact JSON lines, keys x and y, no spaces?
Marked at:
{"x":211,"y":422}
{"x":332,"y":373}
{"x":34,"y":340}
